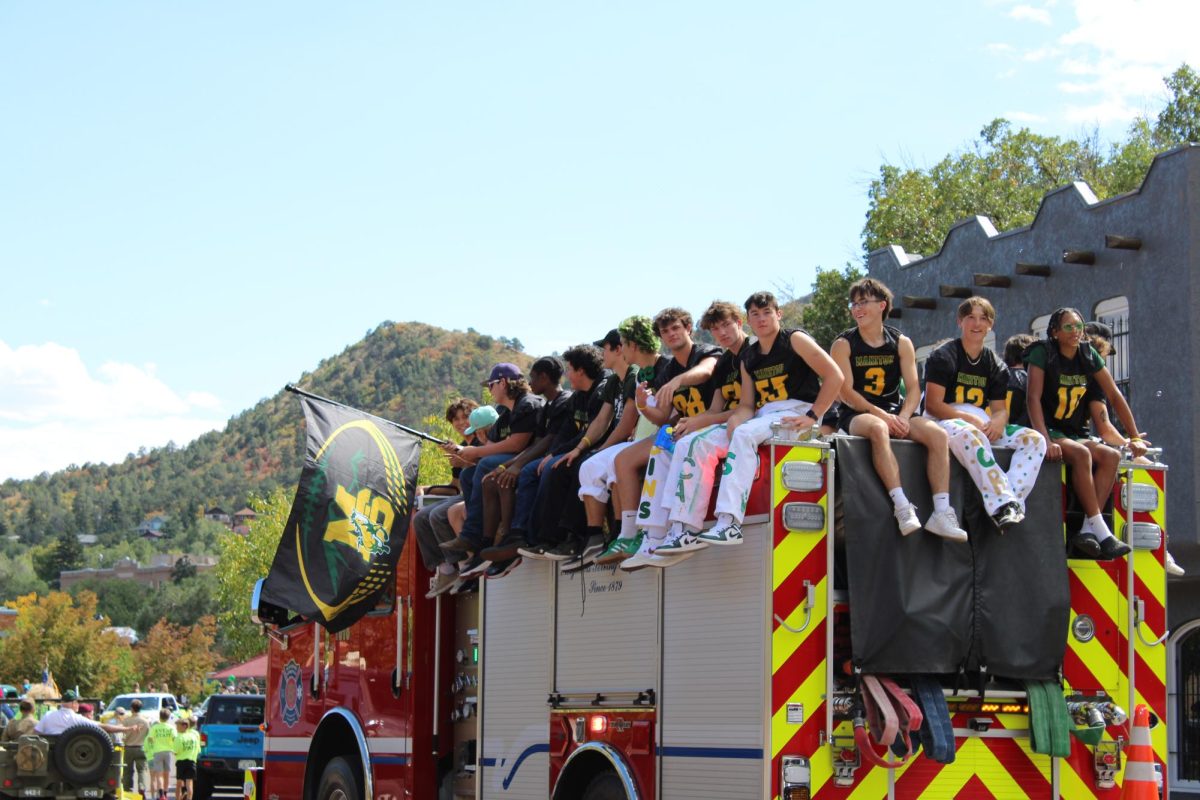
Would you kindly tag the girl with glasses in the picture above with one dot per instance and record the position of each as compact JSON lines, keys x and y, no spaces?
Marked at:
{"x":1060,"y":367}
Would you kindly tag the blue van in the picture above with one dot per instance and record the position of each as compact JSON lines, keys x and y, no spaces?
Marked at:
{"x":231,"y":741}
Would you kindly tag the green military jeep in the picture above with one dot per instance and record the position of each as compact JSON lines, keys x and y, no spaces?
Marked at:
{"x":79,"y":762}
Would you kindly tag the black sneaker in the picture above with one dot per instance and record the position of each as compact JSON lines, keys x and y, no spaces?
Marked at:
{"x":594,"y":547}
{"x":535,"y":551}
{"x":477,"y":567}
{"x":507,"y":548}
{"x":1008,"y":515}
{"x":502,"y":568}
{"x":1112,"y":547}
{"x":1084,"y":545}
{"x":465,"y":586}
{"x":563,"y":552}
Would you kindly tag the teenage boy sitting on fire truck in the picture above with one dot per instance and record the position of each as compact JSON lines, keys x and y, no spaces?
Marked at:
{"x":875,"y":358}
{"x":965,"y":388}
{"x":787,"y":379}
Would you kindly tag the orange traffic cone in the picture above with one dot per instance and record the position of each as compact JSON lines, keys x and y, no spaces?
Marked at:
{"x":1139,"y":760}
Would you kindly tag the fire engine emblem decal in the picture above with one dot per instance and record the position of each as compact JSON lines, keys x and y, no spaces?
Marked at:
{"x":291,"y":695}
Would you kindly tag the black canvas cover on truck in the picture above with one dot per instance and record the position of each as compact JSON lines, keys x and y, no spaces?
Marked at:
{"x":919,"y":604}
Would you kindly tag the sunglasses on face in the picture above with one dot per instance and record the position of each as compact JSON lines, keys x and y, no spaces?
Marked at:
{"x":1072,"y":327}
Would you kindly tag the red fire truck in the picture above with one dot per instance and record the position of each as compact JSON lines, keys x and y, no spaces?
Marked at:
{"x":744,"y":671}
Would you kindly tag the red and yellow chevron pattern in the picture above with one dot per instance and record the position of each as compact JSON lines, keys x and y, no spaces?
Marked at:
{"x":799,"y":660}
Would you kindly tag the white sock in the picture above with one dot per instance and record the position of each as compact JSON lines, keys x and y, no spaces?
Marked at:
{"x":941,"y":501}
{"x":675,"y":529}
{"x":628,"y":524}
{"x":446,"y":569}
{"x":898,"y":498}
{"x":1098,"y":527}
{"x":724,"y":520}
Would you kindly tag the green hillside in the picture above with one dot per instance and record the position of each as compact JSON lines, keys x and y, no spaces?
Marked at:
{"x":400,"y":371}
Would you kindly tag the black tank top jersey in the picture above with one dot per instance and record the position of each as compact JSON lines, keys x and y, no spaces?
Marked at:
{"x":876,"y":370}
{"x":689,"y":400}
{"x":1018,"y":381}
{"x":1065,"y":386}
{"x":727,"y":377}
{"x":780,"y":374}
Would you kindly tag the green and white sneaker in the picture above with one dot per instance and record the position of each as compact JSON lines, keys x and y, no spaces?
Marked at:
{"x":621,"y":548}
{"x":723,"y":534}
{"x":685,"y":542}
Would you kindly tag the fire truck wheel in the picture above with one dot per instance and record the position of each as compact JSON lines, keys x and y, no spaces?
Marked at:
{"x":339,"y":781}
{"x":606,"y":786}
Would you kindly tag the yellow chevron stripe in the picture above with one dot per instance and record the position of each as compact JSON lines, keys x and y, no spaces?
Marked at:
{"x":810,"y":692}
{"x":784,"y":642}
{"x":794,"y":548}
{"x":975,"y":760}
{"x":778,"y":490}
{"x":1146,"y":567}
{"x":1072,"y":785}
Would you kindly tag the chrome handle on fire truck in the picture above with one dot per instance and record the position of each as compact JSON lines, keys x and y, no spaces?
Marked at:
{"x":315,"y":686}
{"x":810,"y":600}
{"x":1139,"y":617}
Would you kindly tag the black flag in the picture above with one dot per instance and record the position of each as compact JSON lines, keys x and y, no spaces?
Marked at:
{"x":348,"y":522}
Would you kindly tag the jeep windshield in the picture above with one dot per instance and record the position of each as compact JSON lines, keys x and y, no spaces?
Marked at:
{"x":234,"y":711}
{"x":126,"y":702}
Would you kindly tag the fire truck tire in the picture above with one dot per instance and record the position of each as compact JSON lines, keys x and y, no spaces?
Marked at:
{"x":83,"y":754}
{"x":339,"y":782}
{"x":605,"y":786}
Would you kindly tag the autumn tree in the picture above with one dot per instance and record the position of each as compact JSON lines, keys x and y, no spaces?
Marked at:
{"x":181,"y":655}
{"x":243,"y":560}
{"x":63,"y":634}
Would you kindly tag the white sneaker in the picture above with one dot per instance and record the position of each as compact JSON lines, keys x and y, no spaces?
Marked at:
{"x":1171,"y":567}
{"x":663,"y":561}
{"x":440,"y":584}
{"x":945,"y":524}
{"x":906,"y":518}
{"x":722,"y":534}
{"x":685,"y":542}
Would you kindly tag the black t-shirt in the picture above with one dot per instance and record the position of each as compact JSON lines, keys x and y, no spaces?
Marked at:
{"x":780,"y":374}
{"x":585,"y":406}
{"x":619,"y":391}
{"x":1066,"y":385}
{"x":727,"y":377}
{"x":688,"y":400}
{"x":553,"y":416}
{"x":521,"y":419}
{"x":876,"y":370}
{"x":973,"y":382}
{"x":1018,"y":383}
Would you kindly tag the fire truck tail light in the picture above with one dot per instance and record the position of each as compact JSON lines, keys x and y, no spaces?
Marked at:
{"x":1110,"y":758}
{"x":7,"y":783}
{"x":796,"y":783}
{"x":848,"y":755}
{"x":598,"y":725}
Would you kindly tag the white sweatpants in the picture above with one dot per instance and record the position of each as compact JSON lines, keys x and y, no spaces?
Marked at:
{"x":742,"y":460}
{"x":973,"y":450}
{"x":693,"y":473}
{"x":652,"y":506}
{"x":597,"y":473}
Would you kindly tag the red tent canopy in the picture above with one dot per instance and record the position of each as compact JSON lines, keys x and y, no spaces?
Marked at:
{"x":254,"y":668}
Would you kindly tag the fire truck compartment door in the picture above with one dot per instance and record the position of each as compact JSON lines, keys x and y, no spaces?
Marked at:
{"x":911,"y":597}
{"x":605,"y":630}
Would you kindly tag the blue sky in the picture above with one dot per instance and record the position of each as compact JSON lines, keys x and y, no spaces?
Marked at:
{"x":198,"y":202}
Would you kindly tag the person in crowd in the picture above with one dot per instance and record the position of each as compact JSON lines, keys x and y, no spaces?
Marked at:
{"x":68,"y":715}
{"x":965,"y":390}
{"x":700,"y":443}
{"x":187,"y":753}
{"x":1059,"y":368}
{"x":1018,"y":377}
{"x":160,"y":748}
{"x":135,"y":748}
{"x":512,"y":490}
{"x":876,"y":360}
{"x":512,"y":433}
{"x":786,"y":379}
{"x":678,"y":391}
{"x":597,"y":474}
{"x":22,"y":724}
{"x":86,"y":711}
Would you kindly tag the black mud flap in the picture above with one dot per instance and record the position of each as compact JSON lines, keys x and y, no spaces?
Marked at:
{"x":1022,"y":593}
{"x":911,"y":597}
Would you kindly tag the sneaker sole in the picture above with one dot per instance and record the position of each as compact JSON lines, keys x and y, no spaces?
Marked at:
{"x":904,"y":532}
{"x":722,"y":542}
{"x":509,"y":569}
{"x":690,"y":547}
{"x":673,"y":559}
{"x":475,"y":572}
{"x":613,"y":558}
{"x":556,"y":557}
{"x":960,"y":536}
{"x":534,"y":554}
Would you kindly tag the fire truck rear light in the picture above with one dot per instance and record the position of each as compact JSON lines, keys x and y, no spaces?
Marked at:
{"x":803,"y":517}
{"x":847,"y":755}
{"x":598,"y":725}
{"x":1143,"y":535}
{"x":803,"y":476}
{"x":8,"y":782}
{"x":112,"y":781}
{"x":1144,"y":497}
{"x":1110,"y":759}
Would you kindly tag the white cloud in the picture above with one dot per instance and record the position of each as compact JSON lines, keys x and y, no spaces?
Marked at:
{"x":1024,"y":13}
{"x":55,"y":412}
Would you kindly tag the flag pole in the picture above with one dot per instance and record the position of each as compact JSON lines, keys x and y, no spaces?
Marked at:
{"x":293,"y":388}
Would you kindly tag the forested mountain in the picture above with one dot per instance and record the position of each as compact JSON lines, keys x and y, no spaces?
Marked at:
{"x":400,"y":371}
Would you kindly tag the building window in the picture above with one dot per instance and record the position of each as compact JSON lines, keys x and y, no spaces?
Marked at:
{"x":1185,"y":704}
{"x":1038,"y":326}
{"x":1114,"y":312}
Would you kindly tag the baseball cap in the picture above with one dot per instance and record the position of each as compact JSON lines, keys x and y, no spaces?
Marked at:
{"x":120,"y":712}
{"x":481,"y":418}
{"x":70,"y":696}
{"x":503,"y":370}
{"x":612,"y":340}
{"x":85,"y":708}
